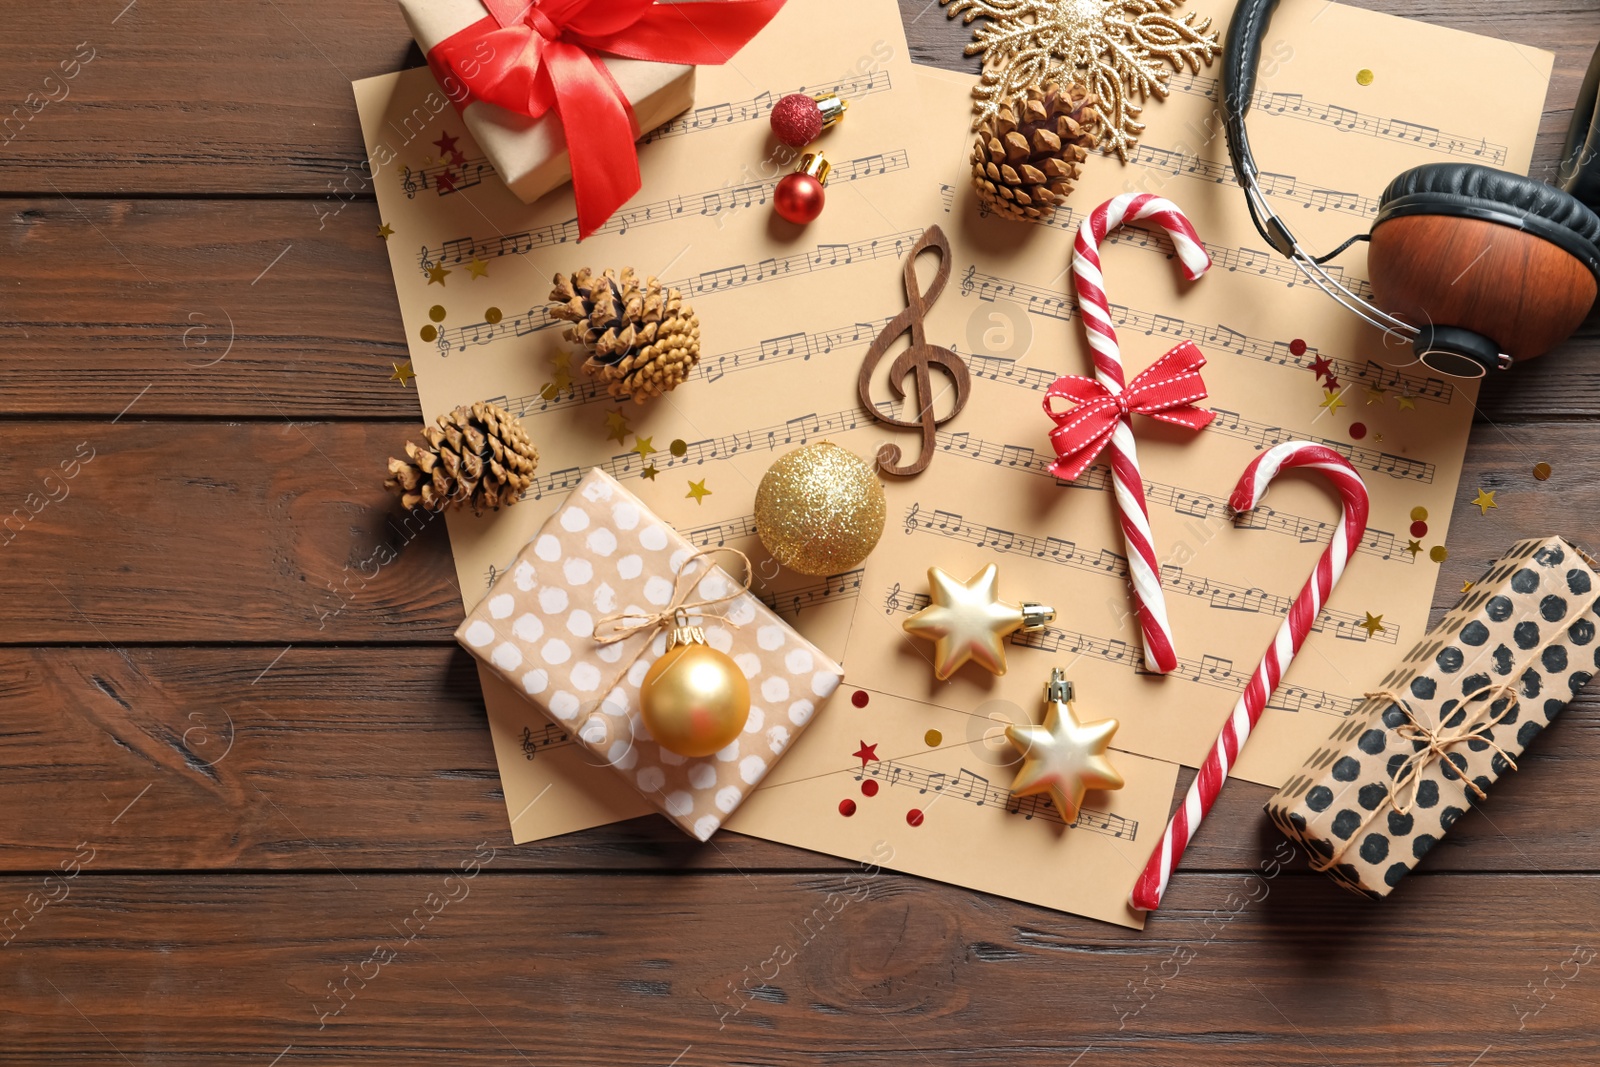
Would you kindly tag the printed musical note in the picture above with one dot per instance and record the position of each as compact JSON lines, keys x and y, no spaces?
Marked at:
{"x":1293,"y":105}
{"x":538,"y":317}
{"x":711,"y":202}
{"x":976,"y":789}
{"x":916,"y":360}
{"x":1209,"y":670}
{"x":547,"y":736}
{"x":1220,"y":595}
{"x":1216,"y":338}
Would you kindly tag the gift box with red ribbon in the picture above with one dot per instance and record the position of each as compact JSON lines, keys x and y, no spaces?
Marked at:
{"x":559,"y":89}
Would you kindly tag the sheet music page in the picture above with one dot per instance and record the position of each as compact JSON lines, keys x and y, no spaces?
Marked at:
{"x":1332,"y":144}
{"x":785,"y":314}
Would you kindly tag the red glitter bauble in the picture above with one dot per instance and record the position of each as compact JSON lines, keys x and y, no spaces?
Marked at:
{"x":798,"y":198}
{"x":797,"y":120}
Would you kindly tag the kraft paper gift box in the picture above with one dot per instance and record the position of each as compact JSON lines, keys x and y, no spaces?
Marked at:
{"x":604,"y":552}
{"x":1449,"y":721}
{"x":530,"y":155}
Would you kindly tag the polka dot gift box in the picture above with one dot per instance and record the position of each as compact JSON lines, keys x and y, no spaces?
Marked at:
{"x":601,"y":553}
{"x":1449,"y":721}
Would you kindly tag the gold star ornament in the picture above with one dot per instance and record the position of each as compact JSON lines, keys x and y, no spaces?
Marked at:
{"x":968,"y":621}
{"x":1063,"y":756}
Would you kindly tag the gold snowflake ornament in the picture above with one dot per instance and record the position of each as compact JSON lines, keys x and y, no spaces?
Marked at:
{"x":1123,"y":51}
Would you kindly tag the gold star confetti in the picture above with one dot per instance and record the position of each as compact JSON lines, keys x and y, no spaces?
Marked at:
{"x":643,"y":446}
{"x":617,"y":426}
{"x":1332,"y":401}
{"x":1466,"y":587}
{"x":1377,"y":438}
{"x":1413,"y":547}
{"x":1373,"y":624}
{"x":385,"y":232}
{"x":478,"y":268}
{"x":650,"y":472}
{"x":1406,"y":401}
{"x":402,"y":372}
{"x":1375,"y":394}
{"x":698,"y":491}
{"x":550,"y":391}
{"x":1484,"y":501}
{"x":437,"y":273}
{"x":1064,"y":756}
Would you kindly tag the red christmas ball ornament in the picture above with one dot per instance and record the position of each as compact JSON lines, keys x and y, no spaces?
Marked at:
{"x":798,"y":118}
{"x":799,"y":196}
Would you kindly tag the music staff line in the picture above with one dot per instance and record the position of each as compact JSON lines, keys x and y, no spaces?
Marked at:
{"x":980,"y":792}
{"x":709,"y":203}
{"x":1296,"y":106}
{"x":1213,"y":671}
{"x":1274,"y":184}
{"x":1223,"y":596}
{"x":801,"y":345}
{"x":823,"y":257}
{"x":701,"y":118}
{"x":1050,"y":303}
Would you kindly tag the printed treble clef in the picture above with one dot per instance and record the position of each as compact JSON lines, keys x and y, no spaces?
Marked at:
{"x":917,"y":359}
{"x":892,"y":601}
{"x":966,"y":280}
{"x":410,"y":184}
{"x":911,"y":518}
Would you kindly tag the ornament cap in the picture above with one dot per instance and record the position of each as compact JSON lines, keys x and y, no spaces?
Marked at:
{"x":683,"y":633}
{"x":1059,"y":688}
{"x":833,"y":106}
{"x":1034,"y":617}
{"x":816,"y":165}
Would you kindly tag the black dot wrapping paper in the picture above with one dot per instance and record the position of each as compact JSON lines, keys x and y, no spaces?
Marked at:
{"x":1531,"y":620}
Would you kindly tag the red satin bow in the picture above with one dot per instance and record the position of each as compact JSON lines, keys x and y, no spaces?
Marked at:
{"x":546,"y":54}
{"x":1164,"y":390}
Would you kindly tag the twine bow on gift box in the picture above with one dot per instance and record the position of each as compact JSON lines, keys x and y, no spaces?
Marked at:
{"x":1476,"y":717}
{"x":546,"y":54}
{"x":1165,"y":390}
{"x":622,"y":625}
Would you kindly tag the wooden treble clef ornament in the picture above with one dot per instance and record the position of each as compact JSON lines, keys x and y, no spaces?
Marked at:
{"x":917,"y":359}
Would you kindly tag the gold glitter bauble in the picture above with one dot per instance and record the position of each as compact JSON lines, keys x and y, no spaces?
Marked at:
{"x":819,"y":510}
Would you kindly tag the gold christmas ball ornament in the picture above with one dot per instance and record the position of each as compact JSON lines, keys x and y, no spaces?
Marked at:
{"x":819,"y":510}
{"x":694,"y":700}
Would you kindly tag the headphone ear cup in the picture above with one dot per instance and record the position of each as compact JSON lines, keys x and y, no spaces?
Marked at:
{"x":1469,"y":248}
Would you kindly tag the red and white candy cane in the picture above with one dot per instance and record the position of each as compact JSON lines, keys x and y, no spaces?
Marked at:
{"x":1147,"y":892}
{"x":1127,"y":483}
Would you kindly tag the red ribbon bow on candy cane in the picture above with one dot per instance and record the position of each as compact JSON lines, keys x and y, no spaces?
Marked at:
{"x":546,"y":54}
{"x":1165,"y":390}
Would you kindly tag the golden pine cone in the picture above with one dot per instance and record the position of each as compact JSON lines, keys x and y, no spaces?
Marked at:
{"x":642,"y":340}
{"x":1027,"y":156}
{"x":478,"y":456}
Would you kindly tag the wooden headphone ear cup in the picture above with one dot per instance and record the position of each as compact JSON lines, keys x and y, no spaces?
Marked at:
{"x":1521,"y":290}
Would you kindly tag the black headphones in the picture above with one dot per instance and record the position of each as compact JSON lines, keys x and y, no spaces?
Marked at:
{"x":1476,"y":267}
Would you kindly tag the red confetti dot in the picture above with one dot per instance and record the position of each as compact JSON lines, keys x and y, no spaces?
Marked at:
{"x":1358,"y":430}
{"x":847,"y":807}
{"x":859,"y":698}
{"x":1297,"y":346}
{"x":1419,"y":529}
{"x":914,"y":816}
{"x":869,"y":788}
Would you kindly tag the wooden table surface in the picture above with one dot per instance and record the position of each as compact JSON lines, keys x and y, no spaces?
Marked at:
{"x":226,"y":788}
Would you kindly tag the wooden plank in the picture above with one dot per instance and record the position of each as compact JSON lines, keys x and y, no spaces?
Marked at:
{"x":847,"y":967}
{"x":317,"y":758}
{"x":260,"y":309}
{"x":220,"y":99}
{"x":274,"y":532}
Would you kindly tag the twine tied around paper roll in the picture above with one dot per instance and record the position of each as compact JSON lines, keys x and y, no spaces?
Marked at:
{"x":1436,"y":741}
{"x":621,"y":625}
